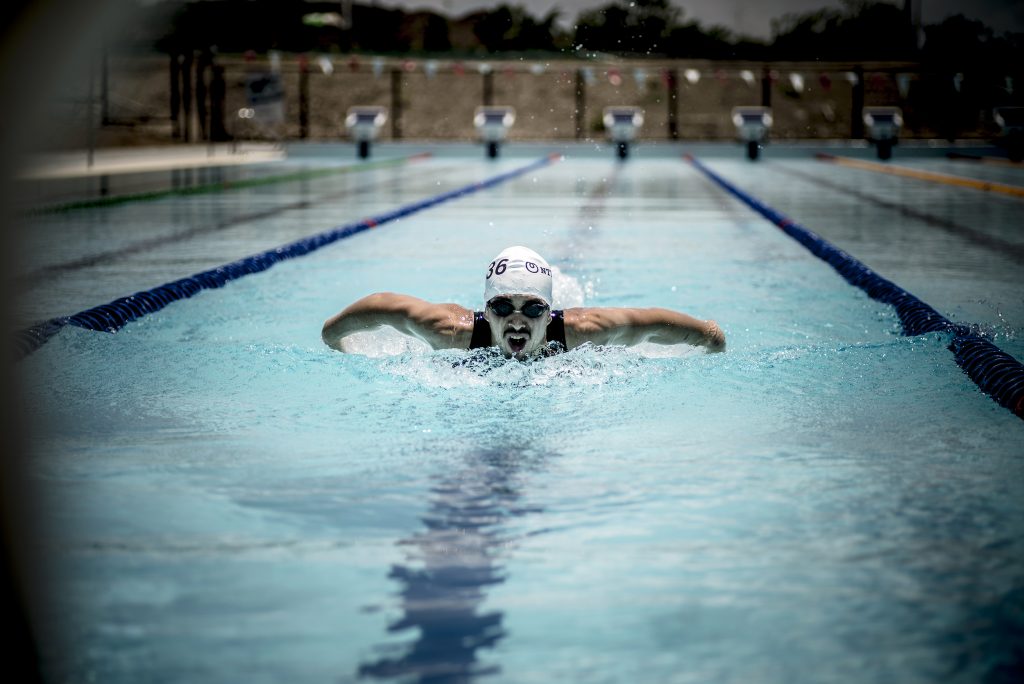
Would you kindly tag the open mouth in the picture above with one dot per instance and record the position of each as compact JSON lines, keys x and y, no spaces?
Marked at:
{"x":517,"y":343}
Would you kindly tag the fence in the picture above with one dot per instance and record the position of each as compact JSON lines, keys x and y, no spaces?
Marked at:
{"x":199,"y":97}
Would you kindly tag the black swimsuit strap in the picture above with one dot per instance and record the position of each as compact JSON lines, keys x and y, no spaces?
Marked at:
{"x":556,"y":329}
{"x":482,"y":331}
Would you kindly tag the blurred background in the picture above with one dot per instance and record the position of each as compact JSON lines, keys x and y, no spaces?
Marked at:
{"x":169,"y":71}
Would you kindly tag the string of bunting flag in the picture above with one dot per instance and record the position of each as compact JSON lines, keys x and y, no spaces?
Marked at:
{"x":796,"y":81}
{"x":876,"y":77}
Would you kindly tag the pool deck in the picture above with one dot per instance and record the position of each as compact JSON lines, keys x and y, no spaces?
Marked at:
{"x":109,"y":161}
{"x":72,"y":164}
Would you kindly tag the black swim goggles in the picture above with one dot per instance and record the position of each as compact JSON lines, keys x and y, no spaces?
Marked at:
{"x":531,"y":309}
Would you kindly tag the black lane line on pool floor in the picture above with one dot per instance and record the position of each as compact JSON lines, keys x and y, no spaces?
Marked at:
{"x":588,"y":217}
{"x":28,"y":280}
{"x":994,"y":371}
{"x":1008,"y":249}
{"x":118,"y":313}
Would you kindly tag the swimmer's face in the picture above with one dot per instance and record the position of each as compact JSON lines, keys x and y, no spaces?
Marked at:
{"x":518,"y":323}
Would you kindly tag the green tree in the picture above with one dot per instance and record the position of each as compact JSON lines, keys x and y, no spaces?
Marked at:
{"x":513,"y":28}
{"x":495,"y":28}
{"x":436,"y":35}
{"x":634,"y":27}
{"x":860,"y":30}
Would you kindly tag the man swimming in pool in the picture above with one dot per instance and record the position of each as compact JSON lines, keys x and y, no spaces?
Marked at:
{"x":517,"y":317}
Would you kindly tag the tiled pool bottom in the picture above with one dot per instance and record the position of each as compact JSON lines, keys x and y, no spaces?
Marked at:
{"x":826,"y":501}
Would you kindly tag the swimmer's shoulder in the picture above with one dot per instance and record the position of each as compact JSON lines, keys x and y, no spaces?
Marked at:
{"x":446,"y":326}
{"x":589,"y":324}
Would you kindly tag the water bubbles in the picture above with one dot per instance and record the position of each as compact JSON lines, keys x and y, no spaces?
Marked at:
{"x":567,"y":291}
{"x":485,"y":383}
{"x":383,"y":343}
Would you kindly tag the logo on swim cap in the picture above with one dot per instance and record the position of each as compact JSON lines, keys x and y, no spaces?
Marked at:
{"x":518,"y":271}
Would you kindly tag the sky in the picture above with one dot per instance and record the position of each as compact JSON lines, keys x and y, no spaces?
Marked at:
{"x":747,"y":17}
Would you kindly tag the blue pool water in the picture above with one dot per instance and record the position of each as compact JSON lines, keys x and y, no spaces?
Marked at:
{"x":225,"y":499}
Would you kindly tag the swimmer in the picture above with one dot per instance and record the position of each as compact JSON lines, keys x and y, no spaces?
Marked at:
{"x":517,"y":318}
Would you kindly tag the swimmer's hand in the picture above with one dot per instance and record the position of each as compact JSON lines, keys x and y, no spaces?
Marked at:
{"x":714,"y":337}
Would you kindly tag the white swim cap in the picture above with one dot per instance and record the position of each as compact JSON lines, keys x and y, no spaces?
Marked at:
{"x":518,"y":271}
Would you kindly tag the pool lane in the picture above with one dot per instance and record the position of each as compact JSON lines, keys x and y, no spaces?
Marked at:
{"x":927,"y":176}
{"x":118,"y":313}
{"x":997,"y":245}
{"x":994,"y":371}
{"x":147,"y":244}
{"x":75,"y":260}
{"x":955,"y":248}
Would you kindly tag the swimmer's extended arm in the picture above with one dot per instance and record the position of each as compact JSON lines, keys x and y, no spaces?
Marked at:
{"x":442,"y":326}
{"x":633,"y":326}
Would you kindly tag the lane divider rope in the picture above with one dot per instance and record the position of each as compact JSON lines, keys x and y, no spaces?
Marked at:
{"x":995,"y":161}
{"x":994,"y":371}
{"x":931,"y":176}
{"x":115,"y":315}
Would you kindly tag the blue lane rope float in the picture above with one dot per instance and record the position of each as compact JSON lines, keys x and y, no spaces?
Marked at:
{"x":994,"y":371}
{"x":115,"y":315}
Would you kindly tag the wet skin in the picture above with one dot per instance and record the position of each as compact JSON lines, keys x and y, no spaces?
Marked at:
{"x":517,"y":335}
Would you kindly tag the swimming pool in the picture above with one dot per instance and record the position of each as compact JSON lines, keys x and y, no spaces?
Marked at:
{"x":223,"y":498}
